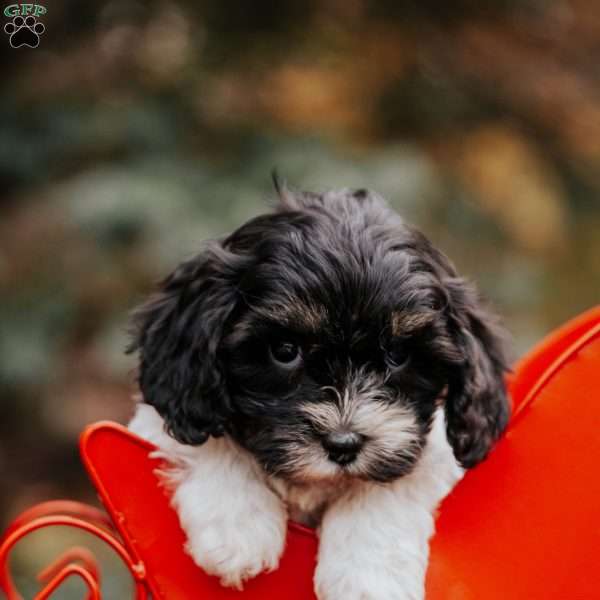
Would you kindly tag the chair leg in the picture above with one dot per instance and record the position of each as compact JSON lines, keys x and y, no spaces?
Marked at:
{"x":76,"y":561}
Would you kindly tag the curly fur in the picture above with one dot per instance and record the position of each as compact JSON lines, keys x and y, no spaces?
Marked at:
{"x":393,"y":346}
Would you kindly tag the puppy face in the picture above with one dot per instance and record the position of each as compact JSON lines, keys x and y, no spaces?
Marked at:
{"x":322,"y":338}
{"x":327,"y":359}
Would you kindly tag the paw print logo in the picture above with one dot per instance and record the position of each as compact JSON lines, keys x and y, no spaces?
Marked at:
{"x":24,"y":31}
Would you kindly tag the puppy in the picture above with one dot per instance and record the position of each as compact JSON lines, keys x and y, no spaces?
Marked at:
{"x":323,"y":363}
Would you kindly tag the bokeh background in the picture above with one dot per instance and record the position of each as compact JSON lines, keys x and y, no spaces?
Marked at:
{"x":137,"y":129}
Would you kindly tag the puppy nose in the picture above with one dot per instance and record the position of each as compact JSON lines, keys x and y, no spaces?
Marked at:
{"x":342,"y":446}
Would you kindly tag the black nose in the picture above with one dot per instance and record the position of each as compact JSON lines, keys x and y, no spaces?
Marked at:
{"x":342,"y":446}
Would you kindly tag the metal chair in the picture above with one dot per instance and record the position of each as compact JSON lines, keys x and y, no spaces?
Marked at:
{"x":522,"y":525}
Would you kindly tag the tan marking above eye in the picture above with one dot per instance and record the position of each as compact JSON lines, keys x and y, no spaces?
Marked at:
{"x":405,"y":321}
{"x":309,"y":316}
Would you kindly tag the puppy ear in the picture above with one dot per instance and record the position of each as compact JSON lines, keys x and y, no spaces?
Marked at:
{"x":477,"y":407}
{"x":177,"y":333}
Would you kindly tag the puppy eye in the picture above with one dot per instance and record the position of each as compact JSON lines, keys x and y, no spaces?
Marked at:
{"x":285,"y":353}
{"x":397,"y":356}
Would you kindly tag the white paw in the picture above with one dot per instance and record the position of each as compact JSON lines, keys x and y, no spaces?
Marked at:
{"x":235,"y":552}
{"x":366,"y":582}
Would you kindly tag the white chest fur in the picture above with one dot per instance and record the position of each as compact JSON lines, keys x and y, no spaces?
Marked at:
{"x":373,"y":537}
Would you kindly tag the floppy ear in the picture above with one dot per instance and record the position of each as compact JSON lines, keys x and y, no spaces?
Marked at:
{"x":177,"y":333}
{"x":477,"y":407}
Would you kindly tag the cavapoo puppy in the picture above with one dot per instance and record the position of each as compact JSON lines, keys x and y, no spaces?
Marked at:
{"x":323,"y":363}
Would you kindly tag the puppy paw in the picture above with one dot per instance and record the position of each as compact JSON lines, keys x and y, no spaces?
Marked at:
{"x":235,"y":552}
{"x":366,"y":583}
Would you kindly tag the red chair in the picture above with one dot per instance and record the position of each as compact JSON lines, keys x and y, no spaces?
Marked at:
{"x":523,"y":525}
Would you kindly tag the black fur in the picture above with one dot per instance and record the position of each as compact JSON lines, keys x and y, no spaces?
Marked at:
{"x":178,"y":332}
{"x":367,"y":300}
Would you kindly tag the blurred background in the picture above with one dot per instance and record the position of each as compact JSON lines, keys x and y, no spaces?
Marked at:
{"x":137,"y":129}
